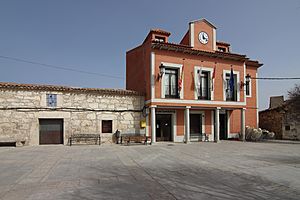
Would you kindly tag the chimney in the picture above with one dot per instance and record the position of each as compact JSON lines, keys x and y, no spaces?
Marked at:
{"x":276,"y":101}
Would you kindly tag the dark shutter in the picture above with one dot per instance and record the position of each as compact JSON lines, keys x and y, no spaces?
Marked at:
{"x":106,"y":126}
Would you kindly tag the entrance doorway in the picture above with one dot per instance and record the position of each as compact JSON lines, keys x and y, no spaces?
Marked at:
{"x":196,"y":127}
{"x":163,"y":127}
{"x":51,"y":131}
{"x":223,"y":126}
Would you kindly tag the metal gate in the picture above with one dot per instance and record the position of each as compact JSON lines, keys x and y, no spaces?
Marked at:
{"x":51,"y":131}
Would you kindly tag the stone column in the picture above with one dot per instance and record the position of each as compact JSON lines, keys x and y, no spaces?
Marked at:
{"x":243,"y":123}
{"x":187,"y":124}
{"x":212,"y":126}
{"x":217,"y":124}
{"x":147,"y":122}
{"x":153,"y":125}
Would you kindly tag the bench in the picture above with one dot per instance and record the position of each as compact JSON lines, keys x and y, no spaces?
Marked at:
{"x":127,"y":138}
{"x":8,"y":141}
{"x":95,"y":137}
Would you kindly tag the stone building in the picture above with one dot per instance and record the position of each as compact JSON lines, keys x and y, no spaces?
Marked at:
{"x":281,"y":119}
{"x":26,"y":109}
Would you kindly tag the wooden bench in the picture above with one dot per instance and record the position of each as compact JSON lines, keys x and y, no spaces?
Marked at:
{"x":127,"y":138}
{"x":95,"y":137}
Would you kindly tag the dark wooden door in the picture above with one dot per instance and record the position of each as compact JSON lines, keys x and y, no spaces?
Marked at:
{"x":195,"y":125}
{"x":223,"y":127}
{"x":51,"y":131}
{"x":163,"y":127}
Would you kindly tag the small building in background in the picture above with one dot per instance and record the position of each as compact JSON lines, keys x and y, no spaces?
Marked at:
{"x":281,"y":118}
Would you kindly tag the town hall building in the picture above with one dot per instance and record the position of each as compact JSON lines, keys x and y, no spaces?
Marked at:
{"x":196,"y":89}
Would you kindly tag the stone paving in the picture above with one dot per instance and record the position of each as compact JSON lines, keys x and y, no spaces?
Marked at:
{"x":227,"y":170}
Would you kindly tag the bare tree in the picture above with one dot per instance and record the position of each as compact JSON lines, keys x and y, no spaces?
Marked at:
{"x":294,"y":98}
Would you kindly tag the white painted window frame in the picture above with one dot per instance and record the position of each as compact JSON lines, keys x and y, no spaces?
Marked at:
{"x":237,"y":73}
{"x":211,"y":82}
{"x":172,"y":66}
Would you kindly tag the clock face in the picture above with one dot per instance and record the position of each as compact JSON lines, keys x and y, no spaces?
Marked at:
{"x":203,"y":37}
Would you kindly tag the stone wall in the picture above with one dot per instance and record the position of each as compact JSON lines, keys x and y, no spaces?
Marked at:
{"x":283,"y":121}
{"x":291,"y":125}
{"x":271,"y":120}
{"x":82,"y":112}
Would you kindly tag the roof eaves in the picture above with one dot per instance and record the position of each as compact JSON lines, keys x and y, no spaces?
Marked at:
{"x":188,"y":49}
{"x":205,"y":20}
{"x":38,"y":87}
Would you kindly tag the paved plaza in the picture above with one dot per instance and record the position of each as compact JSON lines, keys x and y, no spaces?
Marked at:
{"x":226,"y":170}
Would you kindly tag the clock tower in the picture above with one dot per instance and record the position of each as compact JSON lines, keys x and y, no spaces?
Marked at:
{"x":202,"y":35}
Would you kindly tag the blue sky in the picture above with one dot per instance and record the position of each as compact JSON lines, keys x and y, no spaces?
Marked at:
{"x":93,"y":35}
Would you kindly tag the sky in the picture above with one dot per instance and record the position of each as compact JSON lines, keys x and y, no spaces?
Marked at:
{"x":94,"y":35}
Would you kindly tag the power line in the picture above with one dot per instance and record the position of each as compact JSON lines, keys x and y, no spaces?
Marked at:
{"x":111,"y":76}
{"x":276,"y":78}
{"x":59,"y":67}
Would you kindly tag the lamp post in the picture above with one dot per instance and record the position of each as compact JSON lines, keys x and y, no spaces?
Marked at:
{"x":161,"y":70}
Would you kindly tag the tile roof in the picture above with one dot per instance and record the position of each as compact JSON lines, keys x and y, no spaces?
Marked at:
{"x":160,"y":31}
{"x":39,"y":87}
{"x":190,"y":50}
{"x":223,"y":43}
{"x":254,"y":63}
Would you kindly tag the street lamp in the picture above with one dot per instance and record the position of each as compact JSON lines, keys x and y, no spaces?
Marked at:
{"x":161,"y":70}
{"x":247,"y":81}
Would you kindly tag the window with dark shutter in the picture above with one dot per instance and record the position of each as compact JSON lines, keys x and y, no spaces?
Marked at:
{"x":248,"y":88}
{"x":106,"y":126}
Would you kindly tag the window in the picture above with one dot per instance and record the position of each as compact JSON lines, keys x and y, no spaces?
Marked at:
{"x":159,"y":39}
{"x":106,"y":126}
{"x":51,"y":100}
{"x":203,"y":85}
{"x":287,"y":128}
{"x":231,"y":95}
{"x":171,"y":83}
{"x":248,"y":88}
{"x":221,"y":49}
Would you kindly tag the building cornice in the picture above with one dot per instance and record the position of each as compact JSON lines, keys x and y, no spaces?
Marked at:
{"x":189,"y":50}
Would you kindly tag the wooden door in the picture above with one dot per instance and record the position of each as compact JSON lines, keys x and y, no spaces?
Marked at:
{"x":51,"y":131}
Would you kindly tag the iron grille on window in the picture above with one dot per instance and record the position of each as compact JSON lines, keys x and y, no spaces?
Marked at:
{"x":51,"y":100}
{"x":171,"y":83}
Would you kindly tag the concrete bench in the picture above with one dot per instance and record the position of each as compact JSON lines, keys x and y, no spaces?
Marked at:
{"x":79,"y":137}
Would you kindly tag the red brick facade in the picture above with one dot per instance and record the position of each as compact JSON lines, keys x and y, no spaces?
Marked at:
{"x":198,"y":57}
